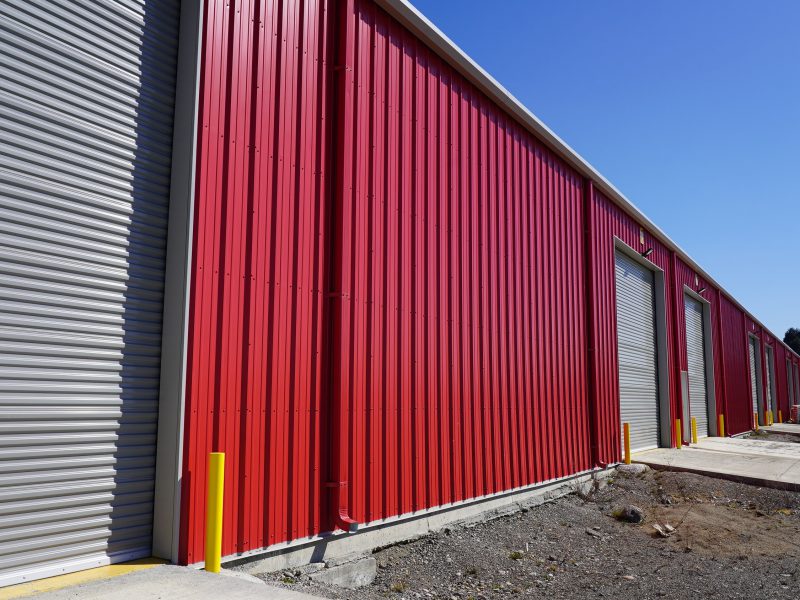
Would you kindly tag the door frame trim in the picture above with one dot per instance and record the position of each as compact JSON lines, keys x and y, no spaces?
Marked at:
{"x":708,"y":354}
{"x":662,"y":351}
{"x":177,"y":286}
{"x":759,"y":376}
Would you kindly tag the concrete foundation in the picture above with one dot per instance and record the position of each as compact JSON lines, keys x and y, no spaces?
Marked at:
{"x":391,"y":531}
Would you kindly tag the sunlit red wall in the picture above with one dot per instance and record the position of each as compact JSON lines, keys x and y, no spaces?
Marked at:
{"x":397,"y":291}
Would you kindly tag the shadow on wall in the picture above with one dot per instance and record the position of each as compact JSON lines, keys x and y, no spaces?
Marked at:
{"x":153,"y":101}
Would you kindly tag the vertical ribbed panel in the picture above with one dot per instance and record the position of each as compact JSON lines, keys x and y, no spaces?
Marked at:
{"x":608,"y":222}
{"x":463,"y":336}
{"x":738,"y":413}
{"x":86,"y":105}
{"x":254,"y":363}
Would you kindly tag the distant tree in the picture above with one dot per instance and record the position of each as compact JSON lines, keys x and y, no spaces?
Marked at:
{"x":792,"y":339}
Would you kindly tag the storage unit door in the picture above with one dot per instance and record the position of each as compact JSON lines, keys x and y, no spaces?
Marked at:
{"x":771,"y":380}
{"x":753,"y":374}
{"x":86,"y":103}
{"x":696,"y":363}
{"x":790,"y":382}
{"x":796,"y":385}
{"x":636,"y":342}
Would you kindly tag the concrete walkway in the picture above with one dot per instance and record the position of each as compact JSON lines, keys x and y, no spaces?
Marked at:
{"x":768,"y":464}
{"x":790,"y":428}
{"x":168,"y":582}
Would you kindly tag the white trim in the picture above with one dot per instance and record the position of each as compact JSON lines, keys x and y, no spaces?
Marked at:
{"x":411,"y":18}
{"x":174,"y":340}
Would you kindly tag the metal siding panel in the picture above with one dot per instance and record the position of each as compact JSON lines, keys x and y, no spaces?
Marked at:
{"x":86,"y":100}
{"x":256,"y":330}
{"x":452,"y":277}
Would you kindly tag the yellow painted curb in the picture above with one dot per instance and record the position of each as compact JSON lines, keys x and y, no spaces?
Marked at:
{"x":59,"y":582}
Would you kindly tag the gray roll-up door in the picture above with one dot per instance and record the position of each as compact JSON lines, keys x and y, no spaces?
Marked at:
{"x":696,"y":363}
{"x":636,"y":343}
{"x":771,"y":380}
{"x":754,"y":357}
{"x":796,"y":385}
{"x":86,"y":103}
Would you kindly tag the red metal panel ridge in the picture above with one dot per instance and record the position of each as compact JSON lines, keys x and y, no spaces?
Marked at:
{"x":254,"y":360}
{"x":463,"y":324}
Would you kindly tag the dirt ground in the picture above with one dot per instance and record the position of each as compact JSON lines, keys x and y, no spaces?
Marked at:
{"x":731,"y":541}
{"x":769,"y":436}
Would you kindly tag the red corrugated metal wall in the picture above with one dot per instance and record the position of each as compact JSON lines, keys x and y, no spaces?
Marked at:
{"x":462,"y":340}
{"x":254,"y":370}
{"x":400,"y":267}
{"x":738,"y":414}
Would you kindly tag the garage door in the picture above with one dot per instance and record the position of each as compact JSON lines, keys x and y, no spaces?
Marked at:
{"x":86,"y":101}
{"x":796,"y":385}
{"x":636,"y":342}
{"x":754,"y":357}
{"x":770,"y":356}
{"x":696,"y":363}
{"x":790,"y":382}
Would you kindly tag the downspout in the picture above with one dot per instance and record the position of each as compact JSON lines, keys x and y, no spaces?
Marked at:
{"x":335,"y":418}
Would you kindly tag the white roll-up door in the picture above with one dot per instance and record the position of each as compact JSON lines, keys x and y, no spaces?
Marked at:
{"x":696,"y":363}
{"x":636,"y":343}
{"x":754,"y":356}
{"x":771,"y":380}
{"x":86,"y":103}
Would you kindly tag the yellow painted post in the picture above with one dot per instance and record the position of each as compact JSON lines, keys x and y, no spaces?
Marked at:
{"x":755,"y":421}
{"x":216,"y":484}
{"x":721,"y":428}
{"x":694,"y":430}
{"x":626,"y":432}
{"x":678,"y":436}
{"x":780,"y":416}
{"x":771,"y":420}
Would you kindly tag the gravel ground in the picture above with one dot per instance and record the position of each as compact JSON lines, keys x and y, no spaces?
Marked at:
{"x":731,"y":541}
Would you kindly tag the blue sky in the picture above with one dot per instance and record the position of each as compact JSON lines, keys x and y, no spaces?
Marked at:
{"x":691,"y":108}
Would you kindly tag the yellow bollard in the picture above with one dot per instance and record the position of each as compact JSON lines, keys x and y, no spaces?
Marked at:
{"x":626,"y":432}
{"x":755,"y":421}
{"x":216,"y":482}
{"x":678,"y":436}
{"x":694,"y":430}
{"x":771,"y":419}
{"x":721,"y":429}
{"x":780,"y":416}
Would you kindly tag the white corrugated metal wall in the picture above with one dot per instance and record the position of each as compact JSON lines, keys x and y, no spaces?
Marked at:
{"x":86,"y":107}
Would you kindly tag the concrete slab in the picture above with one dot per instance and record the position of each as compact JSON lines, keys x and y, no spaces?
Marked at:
{"x":168,"y":582}
{"x":767,"y":464}
{"x":790,"y":428}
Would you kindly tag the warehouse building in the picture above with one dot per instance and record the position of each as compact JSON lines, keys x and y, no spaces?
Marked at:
{"x":316,"y":236}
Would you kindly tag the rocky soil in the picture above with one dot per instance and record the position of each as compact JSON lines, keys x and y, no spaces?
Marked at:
{"x":730,"y":541}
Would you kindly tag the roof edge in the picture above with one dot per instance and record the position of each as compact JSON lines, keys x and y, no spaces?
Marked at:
{"x":411,"y":18}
